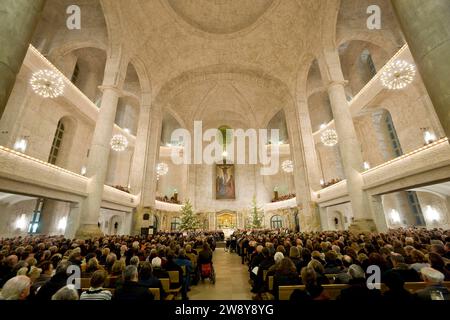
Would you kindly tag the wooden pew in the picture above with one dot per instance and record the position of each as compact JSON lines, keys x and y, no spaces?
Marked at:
{"x":155,"y":292}
{"x":333,"y":290}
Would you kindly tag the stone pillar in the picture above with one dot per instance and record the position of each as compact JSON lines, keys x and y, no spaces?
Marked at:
{"x":324,"y":218}
{"x":426,"y":27}
{"x":18,"y":20}
{"x":308,"y":211}
{"x":376,"y":207}
{"x":100,"y":149}
{"x":146,"y":182}
{"x":73,"y":220}
{"x":309,"y":147}
{"x":140,"y":148}
{"x":349,"y":147}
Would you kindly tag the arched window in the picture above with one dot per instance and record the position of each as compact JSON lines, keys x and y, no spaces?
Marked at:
{"x":175,"y":224}
{"x":56,"y":145}
{"x":276,"y":222}
{"x":395,"y":142}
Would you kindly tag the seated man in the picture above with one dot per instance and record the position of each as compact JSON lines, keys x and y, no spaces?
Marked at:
{"x":358,"y":290}
{"x":399,"y":266}
{"x":434,"y":289}
{"x":130,"y":288}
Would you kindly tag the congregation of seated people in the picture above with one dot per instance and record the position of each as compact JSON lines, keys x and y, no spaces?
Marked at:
{"x":112,"y":267}
{"x":314,"y":261}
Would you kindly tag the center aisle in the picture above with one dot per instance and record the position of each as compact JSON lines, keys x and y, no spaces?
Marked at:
{"x":231,"y":280}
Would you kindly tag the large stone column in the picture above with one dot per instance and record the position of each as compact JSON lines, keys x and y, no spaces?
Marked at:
{"x":100,"y":148}
{"x":146,"y":183}
{"x":349,"y":147}
{"x":18,"y":20}
{"x":140,"y":148}
{"x":426,"y":27}
{"x":309,"y":216}
{"x":309,"y":147}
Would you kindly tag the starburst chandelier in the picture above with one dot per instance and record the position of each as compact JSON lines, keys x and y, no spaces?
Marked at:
{"x":119,"y":143}
{"x":398,"y":75}
{"x":47,"y":83}
{"x":329,"y":137}
{"x":287,"y":166}
{"x":161,"y":170}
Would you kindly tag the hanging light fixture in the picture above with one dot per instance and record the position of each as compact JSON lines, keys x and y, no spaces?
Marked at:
{"x":47,"y":83}
{"x":161,"y":170}
{"x":398,"y":75}
{"x":287,"y":166}
{"x":119,"y":143}
{"x":329,"y":137}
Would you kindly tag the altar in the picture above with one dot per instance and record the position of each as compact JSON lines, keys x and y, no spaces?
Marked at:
{"x":228,"y":232}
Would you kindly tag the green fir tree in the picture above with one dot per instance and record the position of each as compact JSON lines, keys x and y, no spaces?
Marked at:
{"x":189,"y":220}
{"x":257,"y":216}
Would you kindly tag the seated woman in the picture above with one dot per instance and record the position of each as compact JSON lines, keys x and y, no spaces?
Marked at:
{"x":96,"y":291}
{"x":205,"y":255}
{"x":148,"y":280}
{"x":313,"y":290}
{"x":285,"y":275}
{"x":319,"y":270}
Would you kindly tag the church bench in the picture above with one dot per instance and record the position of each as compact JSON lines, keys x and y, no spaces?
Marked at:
{"x":333,"y":290}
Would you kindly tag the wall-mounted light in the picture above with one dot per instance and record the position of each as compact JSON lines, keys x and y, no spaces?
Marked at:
{"x":83,"y":170}
{"x":62,"y":224}
{"x":395,"y":216}
{"x":126,"y":130}
{"x":366,"y":165}
{"x":322,"y":182}
{"x":323,"y":126}
{"x":21,"y":145}
{"x":432,"y":214}
{"x":21,"y":222}
{"x":429,"y":137}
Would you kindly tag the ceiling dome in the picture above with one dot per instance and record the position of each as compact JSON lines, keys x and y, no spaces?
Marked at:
{"x":220,"y":16}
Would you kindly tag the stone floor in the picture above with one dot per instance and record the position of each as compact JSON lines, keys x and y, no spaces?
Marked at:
{"x":231,"y":280}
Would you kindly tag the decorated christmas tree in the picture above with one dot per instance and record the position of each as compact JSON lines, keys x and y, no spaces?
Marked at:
{"x":256,"y":216}
{"x":189,"y":220}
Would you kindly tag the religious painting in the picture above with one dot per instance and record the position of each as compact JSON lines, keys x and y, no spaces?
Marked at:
{"x":225,"y":182}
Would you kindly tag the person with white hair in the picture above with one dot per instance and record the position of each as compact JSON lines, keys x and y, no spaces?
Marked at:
{"x":67,"y":292}
{"x":16,"y":288}
{"x":434,"y":289}
{"x":130,"y":288}
{"x":158,"y":271}
{"x":358,"y":289}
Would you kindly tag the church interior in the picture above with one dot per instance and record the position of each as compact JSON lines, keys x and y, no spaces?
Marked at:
{"x":98,"y":98}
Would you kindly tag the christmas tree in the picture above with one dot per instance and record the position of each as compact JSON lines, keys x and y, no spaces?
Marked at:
{"x":189,"y":220}
{"x":257,"y":216}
